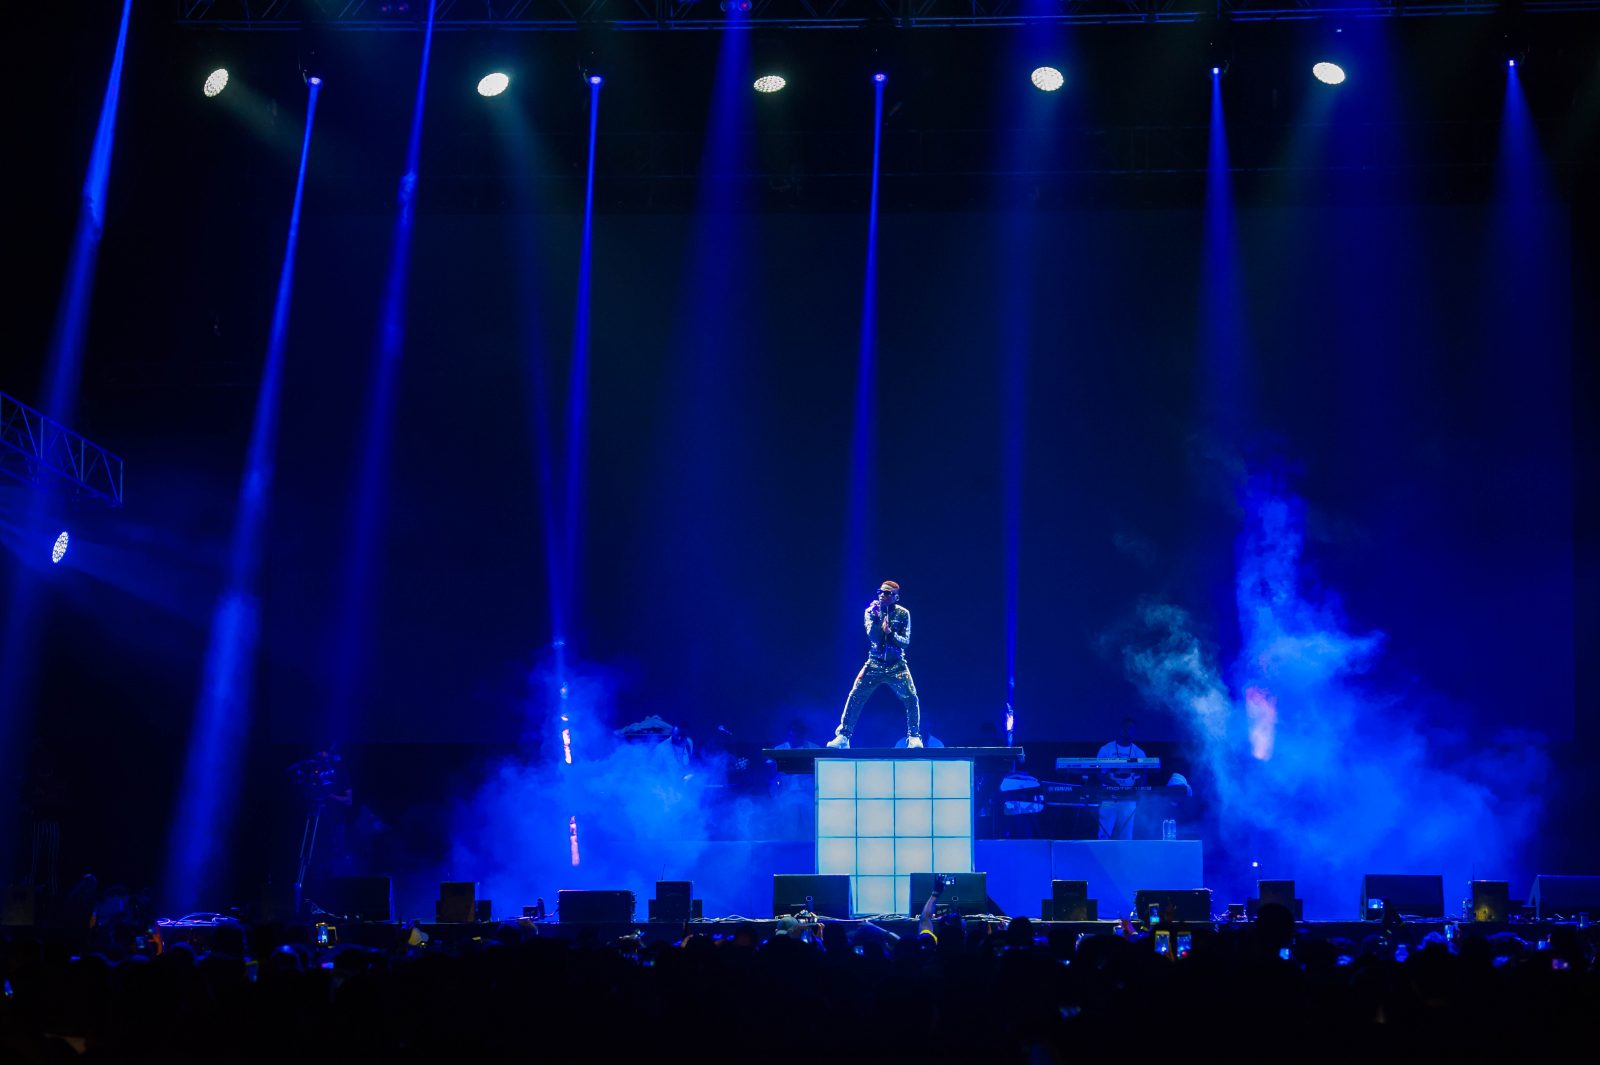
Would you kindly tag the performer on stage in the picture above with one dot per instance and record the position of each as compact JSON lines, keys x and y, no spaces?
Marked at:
{"x":1116,"y":816}
{"x":888,"y":635}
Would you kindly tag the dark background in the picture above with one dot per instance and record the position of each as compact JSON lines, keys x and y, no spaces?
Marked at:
{"x":1441,"y":436}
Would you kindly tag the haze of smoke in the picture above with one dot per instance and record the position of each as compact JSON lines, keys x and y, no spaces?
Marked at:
{"x":642,"y":814}
{"x":1312,"y":767}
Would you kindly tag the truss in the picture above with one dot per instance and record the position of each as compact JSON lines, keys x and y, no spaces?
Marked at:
{"x":567,"y":15}
{"x":34,"y":448}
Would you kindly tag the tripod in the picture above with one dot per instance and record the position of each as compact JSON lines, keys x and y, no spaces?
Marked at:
{"x":308,"y":845}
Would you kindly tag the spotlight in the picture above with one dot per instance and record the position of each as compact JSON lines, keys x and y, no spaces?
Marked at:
{"x":59,"y":550}
{"x":880,"y":78}
{"x":1509,"y":63}
{"x":1216,"y":72}
{"x":595,"y":79}
{"x":493,"y":84}
{"x":1047,"y":79}
{"x":730,"y":6}
{"x":770,"y":83}
{"x":216,"y":81}
{"x":1328,"y":73}
{"x":313,"y":80}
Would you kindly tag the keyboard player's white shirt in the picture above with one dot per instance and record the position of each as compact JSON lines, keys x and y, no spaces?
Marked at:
{"x":1122,"y":778}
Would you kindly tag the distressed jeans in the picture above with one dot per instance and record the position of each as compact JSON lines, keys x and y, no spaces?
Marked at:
{"x":898,"y":677}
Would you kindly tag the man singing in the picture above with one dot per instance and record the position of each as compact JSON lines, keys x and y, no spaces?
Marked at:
{"x":888,"y":635}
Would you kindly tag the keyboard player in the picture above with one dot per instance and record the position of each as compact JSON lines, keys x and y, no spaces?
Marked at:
{"x":1116,"y":813}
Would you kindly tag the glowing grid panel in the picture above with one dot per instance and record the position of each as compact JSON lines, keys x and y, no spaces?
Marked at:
{"x":879,"y":820}
{"x":913,"y":854}
{"x":874,"y":817}
{"x":913,"y":817}
{"x":874,"y":780}
{"x":836,"y":779}
{"x":836,"y":817}
{"x":913,"y":780}
{"x":837,"y":856}
{"x":874,"y":894}
{"x":873,"y":856}
{"x":952,"y":780}
{"x":952,"y":854}
{"x":951,"y":817}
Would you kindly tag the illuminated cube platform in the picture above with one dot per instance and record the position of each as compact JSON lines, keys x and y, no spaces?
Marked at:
{"x":885,"y":814}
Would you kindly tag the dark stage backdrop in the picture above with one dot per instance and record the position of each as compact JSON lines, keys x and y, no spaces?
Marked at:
{"x":1435,"y":459}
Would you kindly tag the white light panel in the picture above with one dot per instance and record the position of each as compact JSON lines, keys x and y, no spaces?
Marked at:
{"x":880,"y":820}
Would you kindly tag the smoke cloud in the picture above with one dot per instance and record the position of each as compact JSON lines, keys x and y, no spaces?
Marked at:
{"x":630,"y":811}
{"x":1311,"y":768}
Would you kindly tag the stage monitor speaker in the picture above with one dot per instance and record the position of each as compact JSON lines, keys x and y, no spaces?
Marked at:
{"x":673,"y":900}
{"x":1277,"y":891}
{"x":359,"y":898}
{"x":653,"y":907}
{"x":1070,"y":901}
{"x":1406,"y":895}
{"x":1564,"y":896}
{"x":1186,"y":904}
{"x":1252,"y":908}
{"x":1087,"y":910}
{"x":824,"y":894}
{"x":967,"y":895}
{"x":594,"y":907}
{"x":457,"y":902}
{"x":1491,"y":900}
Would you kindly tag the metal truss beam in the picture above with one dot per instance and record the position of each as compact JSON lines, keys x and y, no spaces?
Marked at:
{"x":568,"y":15}
{"x":33,"y":446}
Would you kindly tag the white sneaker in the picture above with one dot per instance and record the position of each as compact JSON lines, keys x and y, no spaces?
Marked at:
{"x":913,"y":743}
{"x":840,"y":743}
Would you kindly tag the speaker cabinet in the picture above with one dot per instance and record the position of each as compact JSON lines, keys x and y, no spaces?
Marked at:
{"x":1070,"y":901}
{"x":1491,"y":900}
{"x":824,"y":894}
{"x":595,"y":907}
{"x":967,"y":896}
{"x":457,"y":902}
{"x":1406,"y":895}
{"x":1554,"y":897}
{"x":1190,"y":904}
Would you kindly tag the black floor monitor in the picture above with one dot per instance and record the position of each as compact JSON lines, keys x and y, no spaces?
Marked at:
{"x":967,"y":894}
{"x":1406,"y":895}
{"x":826,"y":895}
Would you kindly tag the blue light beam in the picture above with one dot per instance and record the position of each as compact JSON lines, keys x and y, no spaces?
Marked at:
{"x":60,"y":401}
{"x":1222,"y":326}
{"x":199,"y":846}
{"x":365,"y":542}
{"x":578,"y":394}
{"x":857,"y":513}
{"x":66,"y":350}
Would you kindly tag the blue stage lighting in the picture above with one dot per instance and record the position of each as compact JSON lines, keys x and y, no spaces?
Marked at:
{"x":880,"y":78}
{"x":1047,"y":79}
{"x":595,"y":79}
{"x":216,"y":81}
{"x":1328,"y":73}
{"x":59,"y":550}
{"x":770,"y":83}
{"x":1215,"y":71}
{"x":493,"y":84}
{"x":1511,"y":62}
